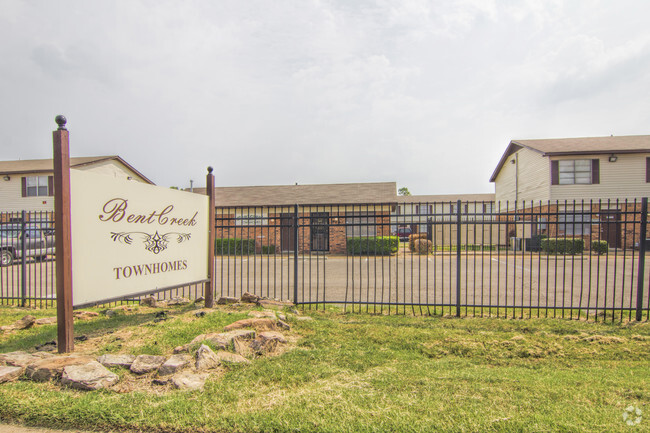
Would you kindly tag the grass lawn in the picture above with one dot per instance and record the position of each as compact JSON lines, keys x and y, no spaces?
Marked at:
{"x":357,"y":373}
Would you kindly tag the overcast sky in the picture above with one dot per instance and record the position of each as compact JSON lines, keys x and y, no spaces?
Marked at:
{"x":423,"y":93}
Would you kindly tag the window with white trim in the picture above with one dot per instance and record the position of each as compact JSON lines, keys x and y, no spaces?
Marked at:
{"x":37,"y":186}
{"x":575,"y":171}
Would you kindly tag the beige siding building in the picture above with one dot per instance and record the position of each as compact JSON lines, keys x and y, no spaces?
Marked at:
{"x":573,"y":169}
{"x":583,"y":187}
{"x":28,"y":184}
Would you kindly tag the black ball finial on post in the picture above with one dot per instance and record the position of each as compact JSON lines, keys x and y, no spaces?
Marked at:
{"x":61,"y":121}
{"x":210,"y":170}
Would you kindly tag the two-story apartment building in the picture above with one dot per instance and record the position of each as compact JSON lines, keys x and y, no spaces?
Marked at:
{"x":590,"y":183}
{"x":29,"y":184}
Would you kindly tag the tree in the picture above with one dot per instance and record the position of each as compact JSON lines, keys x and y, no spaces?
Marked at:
{"x":403,"y":191}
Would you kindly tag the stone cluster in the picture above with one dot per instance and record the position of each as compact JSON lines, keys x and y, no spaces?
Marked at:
{"x":187,"y":368}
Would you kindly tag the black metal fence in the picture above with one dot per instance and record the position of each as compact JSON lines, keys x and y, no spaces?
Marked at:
{"x":562,"y":259}
{"x":27,"y":262}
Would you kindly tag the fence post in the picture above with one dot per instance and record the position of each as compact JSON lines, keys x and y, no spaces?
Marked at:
{"x":63,"y":246}
{"x":641,"y":274}
{"x":23,"y":261}
{"x":458,"y":257}
{"x":295,"y":254}
{"x":209,"y":286}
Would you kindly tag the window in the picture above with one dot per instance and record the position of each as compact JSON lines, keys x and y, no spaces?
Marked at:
{"x":360,"y":224}
{"x":578,"y":224}
{"x":575,"y":172}
{"x":488,"y":207}
{"x":37,"y":186}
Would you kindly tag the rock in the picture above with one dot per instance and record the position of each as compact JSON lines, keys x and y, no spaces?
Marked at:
{"x":110,"y":313}
{"x":272,"y":335}
{"x":24,"y":323}
{"x":46,"y":347}
{"x":258,"y":324}
{"x":84,"y":315}
{"x":239,"y":334}
{"x":45,"y":321}
{"x":18,"y":359}
{"x":243,"y":348}
{"x":224,"y":356}
{"x":265,"y":313}
{"x":227,"y":300}
{"x":266,"y":342}
{"x":50,"y":368}
{"x":149,"y":301}
{"x":199,"y":300}
{"x":90,"y":376}
{"x":174,"y":364}
{"x":188,"y":380}
{"x":178,"y":301}
{"x":260,"y":347}
{"x":304,"y":318}
{"x":146,"y":363}
{"x":206,"y":358}
{"x":110,"y":360}
{"x":276,"y":305}
{"x":284,"y":325}
{"x":159,"y":381}
{"x":249,"y":298}
{"x":9,"y":373}
{"x":282,"y":317}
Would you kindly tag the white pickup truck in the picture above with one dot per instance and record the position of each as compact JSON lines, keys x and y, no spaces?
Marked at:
{"x":37,"y":243}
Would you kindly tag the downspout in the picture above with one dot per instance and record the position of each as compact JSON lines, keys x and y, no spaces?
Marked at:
{"x":516,"y":177}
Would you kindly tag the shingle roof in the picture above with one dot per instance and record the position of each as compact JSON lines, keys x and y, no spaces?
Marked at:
{"x":590,"y":145}
{"x":445,"y":198}
{"x":344,"y":193}
{"x":578,"y":146}
{"x":46,"y":165}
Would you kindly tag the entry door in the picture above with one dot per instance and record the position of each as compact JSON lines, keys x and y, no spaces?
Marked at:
{"x":286,"y":231}
{"x":610,"y":228}
{"x":320,"y":231}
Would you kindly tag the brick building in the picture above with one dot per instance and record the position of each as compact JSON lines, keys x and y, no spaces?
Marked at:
{"x":327,"y":214}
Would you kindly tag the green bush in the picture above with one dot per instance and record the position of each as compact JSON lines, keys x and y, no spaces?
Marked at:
{"x":234,"y":246}
{"x":268,"y":249}
{"x":379,"y":245}
{"x":599,"y":247}
{"x":563,"y":246}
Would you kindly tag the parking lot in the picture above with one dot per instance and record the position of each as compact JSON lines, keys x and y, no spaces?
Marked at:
{"x":492,"y":279}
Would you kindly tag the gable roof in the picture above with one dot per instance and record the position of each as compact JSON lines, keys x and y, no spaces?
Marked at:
{"x":577,"y":146}
{"x":274,"y":195}
{"x":47,"y":165}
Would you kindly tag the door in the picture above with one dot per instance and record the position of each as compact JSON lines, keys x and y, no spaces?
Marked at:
{"x":320,"y":231}
{"x":287,"y":238}
{"x":610,"y":227}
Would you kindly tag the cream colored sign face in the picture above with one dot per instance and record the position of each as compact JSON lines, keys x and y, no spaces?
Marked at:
{"x":129,"y":238}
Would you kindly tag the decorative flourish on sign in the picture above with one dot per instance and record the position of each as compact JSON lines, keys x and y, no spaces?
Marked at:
{"x":152,"y":242}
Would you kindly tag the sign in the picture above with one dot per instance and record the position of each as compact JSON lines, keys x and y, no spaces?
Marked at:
{"x":131,"y":238}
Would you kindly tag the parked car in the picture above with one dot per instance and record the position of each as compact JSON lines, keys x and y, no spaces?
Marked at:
{"x":36,"y":242}
{"x":403,"y":233}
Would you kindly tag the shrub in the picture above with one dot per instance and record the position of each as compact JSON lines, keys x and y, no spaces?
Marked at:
{"x":563,"y":246}
{"x":423,"y":246}
{"x":268,"y":249}
{"x":234,"y":246}
{"x":413,"y":237}
{"x":378,"y":245}
{"x":599,"y":247}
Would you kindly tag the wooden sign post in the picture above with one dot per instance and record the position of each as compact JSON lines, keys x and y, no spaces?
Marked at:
{"x":209,"y":286}
{"x":63,"y":243}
